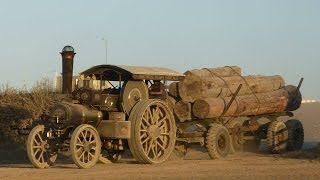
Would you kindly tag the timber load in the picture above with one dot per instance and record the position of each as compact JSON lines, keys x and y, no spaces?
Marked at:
{"x":208,"y":93}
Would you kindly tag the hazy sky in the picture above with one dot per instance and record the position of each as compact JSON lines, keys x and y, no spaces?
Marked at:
{"x":263,"y":37}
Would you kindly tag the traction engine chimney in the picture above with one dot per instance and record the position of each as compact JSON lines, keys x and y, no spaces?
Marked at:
{"x":67,"y":69}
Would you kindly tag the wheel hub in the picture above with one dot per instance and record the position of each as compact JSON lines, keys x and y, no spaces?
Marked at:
{"x":86,"y":146}
{"x":221,"y":142}
{"x":154,"y":131}
{"x":44,"y":146}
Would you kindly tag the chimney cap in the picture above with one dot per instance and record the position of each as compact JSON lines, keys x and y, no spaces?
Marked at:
{"x":68,"y":49}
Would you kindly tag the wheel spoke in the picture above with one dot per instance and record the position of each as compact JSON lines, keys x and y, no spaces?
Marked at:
{"x":88,"y":156}
{"x":36,"y":147}
{"x":81,"y":145}
{"x":90,"y":137}
{"x":36,"y":142}
{"x":40,"y":138}
{"x":164,"y":134}
{"x":91,"y":154}
{"x":78,"y":150}
{"x":161,"y":121}
{"x":161,"y":146}
{"x":153,"y":150}
{"x":145,"y":120}
{"x":82,"y":156}
{"x":83,"y":136}
{"x":79,"y":140}
{"x":93,"y":141}
{"x":86,"y":134}
{"x":145,"y":140}
{"x":156,"y":114}
{"x":150,"y":116}
{"x":37,"y":151}
{"x":149,"y":148}
{"x":40,"y":156}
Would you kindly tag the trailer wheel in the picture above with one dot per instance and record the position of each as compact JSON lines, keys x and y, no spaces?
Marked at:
{"x":85,"y":146}
{"x":295,"y":135}
{"x":38,"y":148}
{"x":218,"y":141}
{"x":277,"y":137}
{"x":153,"y":132}
{"x":235,"y":137}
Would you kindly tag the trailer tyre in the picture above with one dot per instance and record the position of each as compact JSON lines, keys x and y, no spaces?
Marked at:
{"x":277,"y":137}
{"x":295,"y":135}
{"x":235,"y":137}
{"x":218,"y":141}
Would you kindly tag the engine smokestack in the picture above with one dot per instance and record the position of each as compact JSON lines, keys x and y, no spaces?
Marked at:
{"x":67,"y":69}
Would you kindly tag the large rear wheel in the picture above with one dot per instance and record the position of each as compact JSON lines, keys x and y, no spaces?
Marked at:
{"x":153,"y":132}
{"x":39,"y":151}
{"x":85,"y":146}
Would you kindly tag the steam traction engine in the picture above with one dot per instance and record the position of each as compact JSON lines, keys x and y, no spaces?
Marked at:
{"x":122,"y":113}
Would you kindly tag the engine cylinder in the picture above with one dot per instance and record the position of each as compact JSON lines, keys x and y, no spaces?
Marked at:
{"x":69,"y":114}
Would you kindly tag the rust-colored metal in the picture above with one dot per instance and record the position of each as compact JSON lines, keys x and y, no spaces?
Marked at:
{"x":67,"y":69}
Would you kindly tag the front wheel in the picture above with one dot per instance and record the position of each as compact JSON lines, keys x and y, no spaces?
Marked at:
{"x":85,"y":146}
{"x":39,"y":150}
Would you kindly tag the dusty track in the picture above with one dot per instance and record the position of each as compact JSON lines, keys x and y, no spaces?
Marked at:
{"x":197,"y":165}
{"x":240,"y":166}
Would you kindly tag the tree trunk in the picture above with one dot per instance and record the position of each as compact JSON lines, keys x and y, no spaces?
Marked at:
{"x":285,"y":99}
{"x":183,"y":111}
{"x":195,"y":87}
{"x":174,"y":89}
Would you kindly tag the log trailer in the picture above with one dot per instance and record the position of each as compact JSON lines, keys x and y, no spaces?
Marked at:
{"x":132,"y":109}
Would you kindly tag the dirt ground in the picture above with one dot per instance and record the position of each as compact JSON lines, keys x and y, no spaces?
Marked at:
{"x":196,"y":165}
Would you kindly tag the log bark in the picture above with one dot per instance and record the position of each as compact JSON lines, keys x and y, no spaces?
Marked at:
{"x":198,"y":87}
{"x":219,"y":71}
{"x":282,"y":100}
{"x":174,"y":89}
{"x":183,"y":110}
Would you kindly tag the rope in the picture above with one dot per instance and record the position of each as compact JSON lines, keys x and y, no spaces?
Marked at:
{"x":258,"y":100}
{"x":227,"y":85}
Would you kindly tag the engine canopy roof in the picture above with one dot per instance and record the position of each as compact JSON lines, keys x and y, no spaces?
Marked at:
{"x":126,"y":73}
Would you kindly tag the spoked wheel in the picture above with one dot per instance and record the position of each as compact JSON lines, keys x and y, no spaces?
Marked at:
{"x":277,"y":137}
{"x":153,"y":132}
{"x":85,"y":146}
{"x":235,"y":137}
{"x":38,"y":148}
{"x":218,"y":141}
{"x":295,"y":135}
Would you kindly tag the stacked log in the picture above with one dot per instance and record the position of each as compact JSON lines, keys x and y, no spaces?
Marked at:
{"x":207,"y":92}
{"x":285,"y":99}
{"x":182,"y":110}
{"x":196,"y":87}
{"x":174,"y":90}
